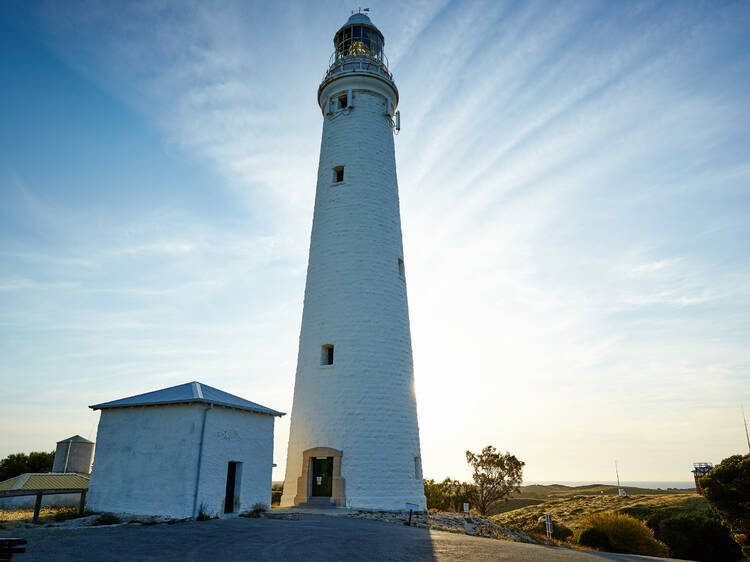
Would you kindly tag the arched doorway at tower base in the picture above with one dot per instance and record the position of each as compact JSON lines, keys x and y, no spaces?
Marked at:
{"x":319,"y":464}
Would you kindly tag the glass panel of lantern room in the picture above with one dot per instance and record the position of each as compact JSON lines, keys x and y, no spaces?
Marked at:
{"x":338,"y":42}
{"x":344,"y":40}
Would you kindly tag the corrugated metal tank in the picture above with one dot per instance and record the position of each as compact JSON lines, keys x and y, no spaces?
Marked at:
{"x":74,"y":454}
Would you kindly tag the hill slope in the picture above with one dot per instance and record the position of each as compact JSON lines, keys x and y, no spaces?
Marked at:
{"x":569,"y":509}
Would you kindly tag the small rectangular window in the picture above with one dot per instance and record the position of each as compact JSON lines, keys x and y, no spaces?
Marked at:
{"x":343,"y":101}
{"x":401,"y":269}
{"x":326,"y":355}
{"x":417,"y":468}
{"x":338,"y":174}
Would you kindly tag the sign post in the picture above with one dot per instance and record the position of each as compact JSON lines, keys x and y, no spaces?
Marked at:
{"x":412,"y":507}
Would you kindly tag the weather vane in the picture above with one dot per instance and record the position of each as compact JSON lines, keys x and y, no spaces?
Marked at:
{"x":360,"y":10}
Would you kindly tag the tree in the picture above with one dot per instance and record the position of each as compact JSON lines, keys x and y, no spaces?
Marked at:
{"x":495,"y":475}
{"x":727,"y":489}
{"x":20,"y":463}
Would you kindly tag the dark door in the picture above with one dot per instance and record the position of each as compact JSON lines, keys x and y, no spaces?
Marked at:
{"x":231,"y":477}
{"x":322,"y":477}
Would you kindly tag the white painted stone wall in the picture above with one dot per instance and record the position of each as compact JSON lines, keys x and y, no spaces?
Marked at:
{"x":240,"y":436}
{"x":355,"y":299}
{"x":146,"y":459}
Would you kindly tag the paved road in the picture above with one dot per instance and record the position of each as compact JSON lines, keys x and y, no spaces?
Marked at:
{"x":313,"y":537}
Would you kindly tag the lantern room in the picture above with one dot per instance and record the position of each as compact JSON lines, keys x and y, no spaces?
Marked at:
{"x":359,"y":38}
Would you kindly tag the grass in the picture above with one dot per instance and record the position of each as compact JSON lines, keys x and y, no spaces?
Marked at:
{"x":47,"y":514}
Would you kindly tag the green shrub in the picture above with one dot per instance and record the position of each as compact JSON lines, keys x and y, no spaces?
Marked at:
{"x":255,"y":512}
{"x":106,"y":519}
{"x":276,"y":497}
{"x":434,"y":495}
{"x":259,"y":508}
{"x":593,"y":537}
{"x":625,"y":534}
{"x":727,"y":490}
{"x":448,"y":495}
{"x":698,"y":536}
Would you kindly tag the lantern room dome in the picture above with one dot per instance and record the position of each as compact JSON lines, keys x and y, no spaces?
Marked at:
{"x":359,"y":18}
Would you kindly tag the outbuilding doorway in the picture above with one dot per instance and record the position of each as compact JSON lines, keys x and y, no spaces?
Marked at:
{"x":234,"y":481}
{"x":322,"y":477}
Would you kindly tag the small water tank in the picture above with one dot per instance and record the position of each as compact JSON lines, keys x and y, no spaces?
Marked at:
{"x":74,"y":454}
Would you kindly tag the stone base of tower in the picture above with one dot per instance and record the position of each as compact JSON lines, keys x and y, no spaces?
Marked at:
{"x":370,"y":503}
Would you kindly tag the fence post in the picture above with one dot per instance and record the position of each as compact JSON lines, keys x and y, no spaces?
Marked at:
{"x":37,"y":507}
{"x":82,"y":505}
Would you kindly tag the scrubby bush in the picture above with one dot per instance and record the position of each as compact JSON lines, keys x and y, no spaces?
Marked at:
{"x":256,"y":511}
{"x":624,"y":533}
{"x":65,"y":513}
{"x":593,"y":537}
{"x":203,"y":514}
{"x":698,"y":536}
{"x":727,"y":489}
{"x":448,"y":495}
{"x":259,"y":508}
{"x":434,"y":494}
{"x":106,"y":519}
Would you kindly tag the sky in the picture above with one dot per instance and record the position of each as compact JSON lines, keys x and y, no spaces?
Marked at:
{"x":575,"y":198}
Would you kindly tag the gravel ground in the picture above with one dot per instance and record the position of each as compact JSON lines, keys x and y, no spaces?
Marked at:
{"x":292,"y":537}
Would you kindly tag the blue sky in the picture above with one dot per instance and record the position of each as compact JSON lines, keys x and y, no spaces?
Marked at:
{"x":574,"y":184}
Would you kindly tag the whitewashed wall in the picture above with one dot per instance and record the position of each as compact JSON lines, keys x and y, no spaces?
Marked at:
{"x":236,"y":435}
{"x":355,"y":299}
{"x":146,"y":459}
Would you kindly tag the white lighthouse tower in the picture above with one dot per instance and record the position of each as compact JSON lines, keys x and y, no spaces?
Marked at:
{"x":354,"y":437}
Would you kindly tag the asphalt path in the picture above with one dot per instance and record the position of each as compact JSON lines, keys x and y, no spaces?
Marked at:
{"x":312,"y":537}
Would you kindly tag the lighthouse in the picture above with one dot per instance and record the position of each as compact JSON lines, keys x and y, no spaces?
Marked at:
{"x":354,"y":437}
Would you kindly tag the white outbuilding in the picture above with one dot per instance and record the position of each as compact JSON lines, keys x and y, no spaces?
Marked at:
{"x":180,"y":451}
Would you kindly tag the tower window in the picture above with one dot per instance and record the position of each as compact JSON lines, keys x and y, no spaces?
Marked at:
{"x":417,"y":468}
{"x":338,"y":174}
{"x":401,"y":269}
{"x":342,"y":101}
{"x":326,"y":354}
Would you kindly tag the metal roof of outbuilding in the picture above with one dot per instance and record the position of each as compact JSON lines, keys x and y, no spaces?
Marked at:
{"x":75,"y":439}
{"x":188,"y":393}
{"x":46,"y":481}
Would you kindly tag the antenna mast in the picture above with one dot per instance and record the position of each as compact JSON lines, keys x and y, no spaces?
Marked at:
{"x":618,"y":474}
{"x":744,"y":419}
